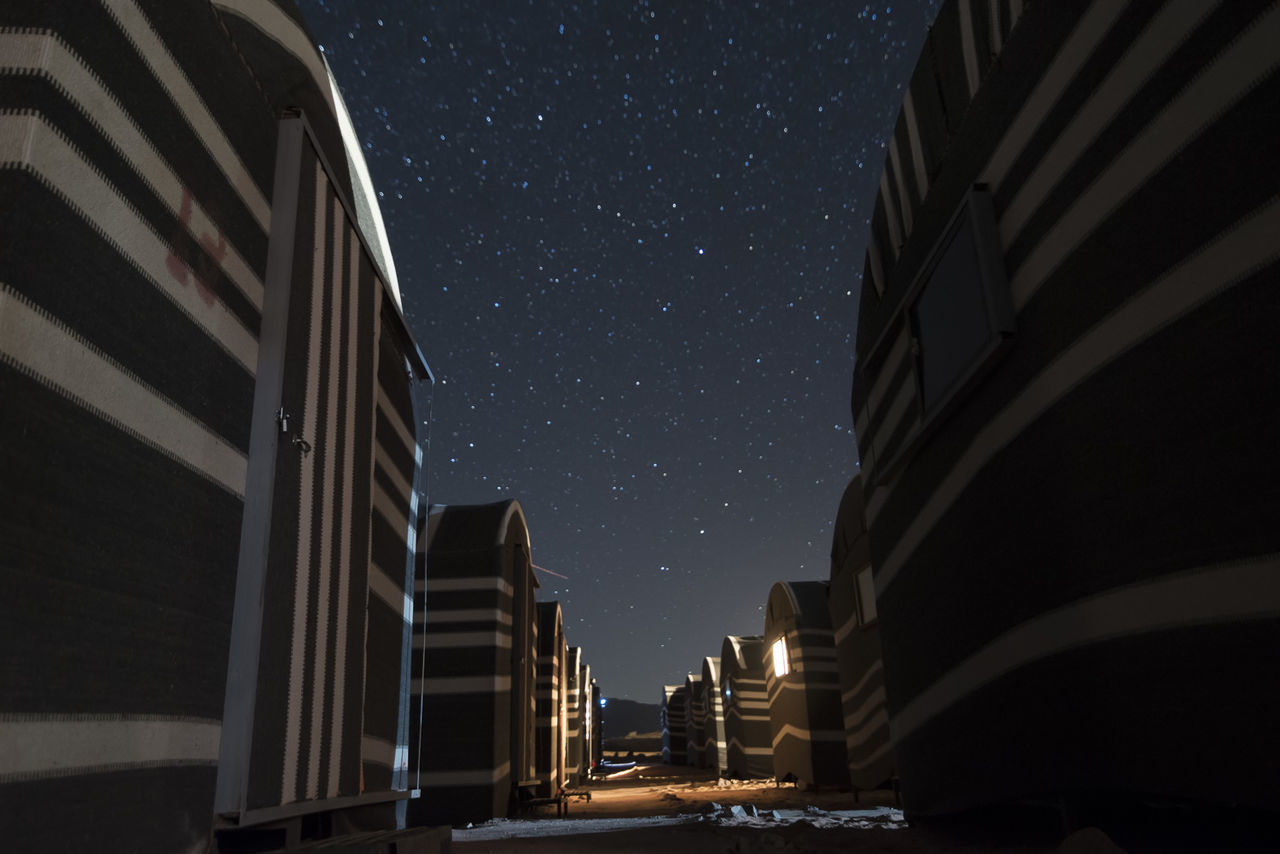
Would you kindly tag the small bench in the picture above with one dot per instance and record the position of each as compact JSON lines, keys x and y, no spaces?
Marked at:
{"x":527,"y":800}
{"x":580,"y":795}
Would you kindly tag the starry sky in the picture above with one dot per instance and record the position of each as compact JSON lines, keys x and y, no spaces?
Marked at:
{"x":629,"y":238}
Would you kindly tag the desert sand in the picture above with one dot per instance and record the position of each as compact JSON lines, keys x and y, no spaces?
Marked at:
{"x":661,"y":809}
{"x":676,"y":798}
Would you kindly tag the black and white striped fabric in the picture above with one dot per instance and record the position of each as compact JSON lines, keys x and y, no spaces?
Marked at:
{"x":388,"y":654}
{"x":694,"y":719}
{"x":675,"y":744}
{"x":664,"y":724}
{"x":552,"y":654}
{"x":596,"y":735}
{"x":713,"y":743}
{"x":417,"y":649}
{"x":562,"y":707}
{"x":748,"y":738}
{"x":479,"y":638}
{"x":131,"y":286}
{"x":857,"y":639}
{"x":573,"y":766}
{"x":805,"y":719}
{"x":307,"y":717}
{"x":590,"y":718}
{"x":1087,"y":524}
{"x":139,"y":152}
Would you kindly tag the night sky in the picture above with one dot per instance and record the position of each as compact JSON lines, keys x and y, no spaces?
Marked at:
{"x":629,"y":239}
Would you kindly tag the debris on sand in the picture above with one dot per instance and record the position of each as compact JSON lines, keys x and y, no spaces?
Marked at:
{"x":748,"y":816}
{"x":505,"y":828}
{"x":733,"y":816}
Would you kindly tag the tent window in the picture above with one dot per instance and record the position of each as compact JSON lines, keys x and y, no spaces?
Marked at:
{"x":951,"y":318}
{"x":962,"y":311}
{"x":781,"y":664}
{"x":959,"y":313}
{"x":866,"y":596}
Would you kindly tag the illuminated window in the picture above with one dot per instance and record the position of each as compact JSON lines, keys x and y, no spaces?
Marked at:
{"x":781,"y":666}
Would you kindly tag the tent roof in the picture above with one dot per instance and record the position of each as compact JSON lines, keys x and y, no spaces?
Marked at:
{"x":797,"y":604}
{"x":468,"y":527}
{"x":851,"y":524}
{"x":742,"y":653}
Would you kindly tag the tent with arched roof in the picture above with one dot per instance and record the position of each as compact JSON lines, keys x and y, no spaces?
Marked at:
{"x":596,"y":735}
{"x":208,"y":445}
{"x":1065,"y":402}
{"x":589,"y":720}
{"x":713,"y":743}
{"x":694,"y":720}
{"x":573,"y":768}
{"x":672,"y":715}
{"x":748,"y":740}
{"x":852,"y":602}
{"x":804,"y":686}
{"x":552,"y":655}
{"x":479,"y":639}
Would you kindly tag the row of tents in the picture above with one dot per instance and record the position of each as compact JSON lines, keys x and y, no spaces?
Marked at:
{"x":803,"y":701}
{"x":1065,"y":399}
{"x":508,"y":710}
{"x":218,"y":628}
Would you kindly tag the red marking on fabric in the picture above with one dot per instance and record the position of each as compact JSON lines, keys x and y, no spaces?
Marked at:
{"x":215,"y":244}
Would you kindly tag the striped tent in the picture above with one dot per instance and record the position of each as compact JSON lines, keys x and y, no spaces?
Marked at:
{"x":588,"y":717}
{"x":596,"y":735}
{"x":671,"y":717}
{"x":480,"y":642}
{"x":205,"y":375}
{"x":552,"y":656}
{"x":1065,"y":403}
{"x":695,"y":718}
{"x":852,"y":601}
{"x":803,"y":684}
{"x":748,"y":739}
{"x":573,"y":765}
{"x":562,"y":705}
{"x":713,"y":743}
{"x":418,"y":654}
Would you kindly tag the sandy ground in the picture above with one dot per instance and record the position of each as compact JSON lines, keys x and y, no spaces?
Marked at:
{"x":648,"y":790}
{"x":657,"y":809}
{"x":664,"y":791}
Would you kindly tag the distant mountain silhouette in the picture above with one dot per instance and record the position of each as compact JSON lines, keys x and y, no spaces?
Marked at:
{"x":625,"y":716}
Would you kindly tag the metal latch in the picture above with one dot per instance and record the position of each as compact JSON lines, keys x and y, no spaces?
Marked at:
{"x":282,"y":418}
